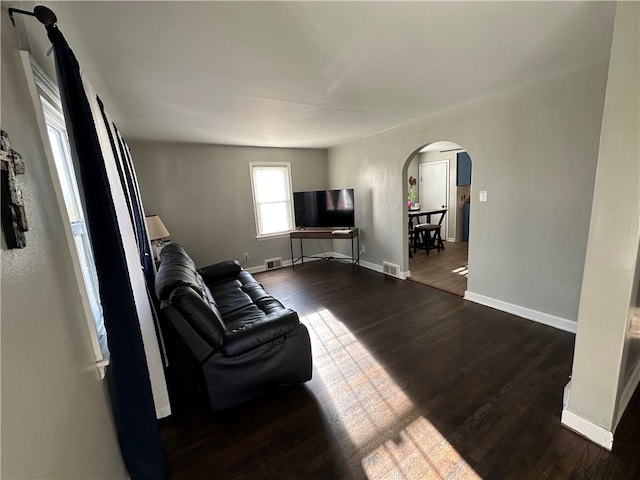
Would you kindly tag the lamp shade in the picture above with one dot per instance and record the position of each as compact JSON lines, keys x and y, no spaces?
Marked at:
{"x":156,"y":228}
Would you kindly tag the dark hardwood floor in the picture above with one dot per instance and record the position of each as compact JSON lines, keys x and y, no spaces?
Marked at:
{"x":446,"y":270}
{"x":409,"y":382}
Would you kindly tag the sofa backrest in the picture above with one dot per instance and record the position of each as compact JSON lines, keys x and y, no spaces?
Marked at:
{"x":176,"y":269}
{"x":187,"y":301}
{"x":200,"y":315}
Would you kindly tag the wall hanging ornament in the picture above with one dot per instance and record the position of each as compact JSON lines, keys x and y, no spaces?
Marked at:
{"x":13,"y":215}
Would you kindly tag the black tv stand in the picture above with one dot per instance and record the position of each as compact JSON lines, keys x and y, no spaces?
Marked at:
{"x":325,"y":233}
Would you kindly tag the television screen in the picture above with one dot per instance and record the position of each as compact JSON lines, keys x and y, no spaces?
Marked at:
{"x":324,"y":208}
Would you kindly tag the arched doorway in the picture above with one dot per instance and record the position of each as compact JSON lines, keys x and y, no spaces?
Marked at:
{"x":438,"y":175}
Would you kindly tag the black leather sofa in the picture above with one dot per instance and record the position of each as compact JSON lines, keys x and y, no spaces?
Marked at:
{"x":245,"y":340}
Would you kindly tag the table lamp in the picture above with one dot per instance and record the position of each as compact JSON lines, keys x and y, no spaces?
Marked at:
{"x":158,"y":234}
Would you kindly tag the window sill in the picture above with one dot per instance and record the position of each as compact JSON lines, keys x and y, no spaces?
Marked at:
{"x":103,"y":357}
{"x":272,"y":235}
{"x":101,"y":365}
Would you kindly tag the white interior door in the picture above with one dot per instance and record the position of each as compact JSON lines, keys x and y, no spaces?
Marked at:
{"x":434,"y":188}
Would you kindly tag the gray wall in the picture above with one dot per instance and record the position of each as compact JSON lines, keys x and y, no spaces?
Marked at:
{"x":203,"y":195}
{"x":534,"y":150}
{"x":56,"y":414}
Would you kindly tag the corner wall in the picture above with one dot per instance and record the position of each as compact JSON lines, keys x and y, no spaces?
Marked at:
{"x":203,"y":195}
{"x":56,"y":414}
{"x":534,"y":150}
{"x":606,"y":368}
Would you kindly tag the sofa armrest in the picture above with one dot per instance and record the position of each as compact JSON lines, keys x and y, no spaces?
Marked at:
{"x":217,"y":271}
{"x":275,"y":325}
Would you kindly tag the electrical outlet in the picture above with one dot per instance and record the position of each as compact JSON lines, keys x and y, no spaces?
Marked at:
{"x":362,"y":249}
{"x":246,"y":255}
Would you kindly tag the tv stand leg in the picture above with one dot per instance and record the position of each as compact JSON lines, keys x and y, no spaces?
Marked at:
{"x":293,"y":262}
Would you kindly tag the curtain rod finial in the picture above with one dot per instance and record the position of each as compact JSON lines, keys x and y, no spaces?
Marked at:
{"x":45,"y":15}
{"x":42,"y":13}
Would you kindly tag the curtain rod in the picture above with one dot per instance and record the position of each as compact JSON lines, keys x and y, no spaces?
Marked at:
{"x":42,"y":13}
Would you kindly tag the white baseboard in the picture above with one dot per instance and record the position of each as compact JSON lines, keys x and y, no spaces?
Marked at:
{"x":363,"y":263}
{"x":591,"y":431}
{"x":371,"y":266}
{"x":597,"y":434}
{"x":529,"y":314}
{"x":287,"y":263}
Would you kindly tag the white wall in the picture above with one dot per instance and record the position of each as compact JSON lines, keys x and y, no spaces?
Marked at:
{"x":534,"y":150}
{"x":606,"y":368}
{"x":203,"y":195}
{"x":56,"y":414}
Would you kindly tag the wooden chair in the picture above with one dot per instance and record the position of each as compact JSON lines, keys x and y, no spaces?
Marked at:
{"x":411,"y":238}
{"x":429,"y":235}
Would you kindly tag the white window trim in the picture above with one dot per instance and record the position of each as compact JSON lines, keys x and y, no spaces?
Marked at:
{"x":49,"y":91}
{"x":287,"y":166}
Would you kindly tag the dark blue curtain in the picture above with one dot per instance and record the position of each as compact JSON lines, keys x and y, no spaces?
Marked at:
{"x":132,"y":396}
{"x":134,"y":201}
{"x":129,"y":181}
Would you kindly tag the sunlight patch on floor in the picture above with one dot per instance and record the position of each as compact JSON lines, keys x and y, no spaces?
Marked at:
{"x":391,"y":439}
{"x":366,"y":399}
{"x":462,"y":271}
{"x":419,"y":452}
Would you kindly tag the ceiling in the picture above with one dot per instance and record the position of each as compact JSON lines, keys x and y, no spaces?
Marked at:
{"x":315,"y":74}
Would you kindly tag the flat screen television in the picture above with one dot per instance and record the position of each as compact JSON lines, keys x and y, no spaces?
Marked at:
{"x":324,"y":208}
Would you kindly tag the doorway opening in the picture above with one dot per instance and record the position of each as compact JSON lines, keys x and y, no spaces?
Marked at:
{"x":438,"y":177}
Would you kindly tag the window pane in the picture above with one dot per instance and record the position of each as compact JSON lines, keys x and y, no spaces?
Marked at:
{"x":272,"y":198}
{"x":68,"y":184}
{"x":68,"y":190}
{"x":274,"y":218}
{"x":85,"y":255}
{"x":84,"y":261}
{"x":271,"y":185}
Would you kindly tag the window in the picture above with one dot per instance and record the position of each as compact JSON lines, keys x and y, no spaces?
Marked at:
{"x":271,"y":185}
{"x":60,"y":149}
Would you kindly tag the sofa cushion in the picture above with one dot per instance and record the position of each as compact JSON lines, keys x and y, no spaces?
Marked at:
{"x":246,"y":278}
{"x":262,"y":329}
{"x":206,"y":293}
{"x":230,"y":297}
{"x":202,"y":316}
{"x":261,"y":298}
{"x":255,"y":291}
{"x":243,"y":317}
{"x":221,"y":270}
{"x":269,"y":304}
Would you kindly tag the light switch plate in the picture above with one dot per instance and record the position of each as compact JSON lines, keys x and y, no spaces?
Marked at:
{"x":483,"y":196}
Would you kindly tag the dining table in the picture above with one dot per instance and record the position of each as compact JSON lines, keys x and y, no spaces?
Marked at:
{"x":427,"y":213}
{"x":416,"y":215}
